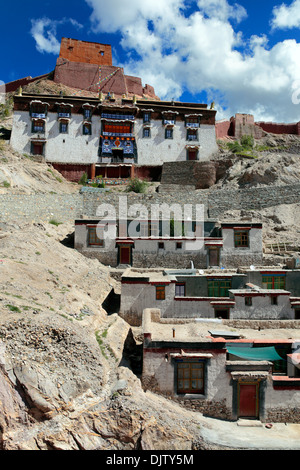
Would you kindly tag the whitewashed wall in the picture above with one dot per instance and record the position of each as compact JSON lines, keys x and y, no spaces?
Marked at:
{"x":217,"y":380}
{"x":73,"y":147}
{"x":255,"y":242}
{"x":262,"y":309}
{"x":156,"y":150}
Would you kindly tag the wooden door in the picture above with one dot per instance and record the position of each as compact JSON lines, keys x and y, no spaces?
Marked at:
{"x":192,"y":154}
{"x":38,"y":149}
{"x":125,"y":255}
{"x":214,"y":257}
{"x":248,"y":400}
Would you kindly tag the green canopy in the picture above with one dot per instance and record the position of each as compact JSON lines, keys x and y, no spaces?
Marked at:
{"x":256,"y":354}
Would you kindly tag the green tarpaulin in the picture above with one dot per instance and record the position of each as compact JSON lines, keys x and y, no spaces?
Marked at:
{"x":256,"y":354}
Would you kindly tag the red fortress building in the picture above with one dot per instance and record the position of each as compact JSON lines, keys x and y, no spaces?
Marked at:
{"x":88,"y":66}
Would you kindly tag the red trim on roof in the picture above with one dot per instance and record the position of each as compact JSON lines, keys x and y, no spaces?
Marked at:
{"x":273,"y":272}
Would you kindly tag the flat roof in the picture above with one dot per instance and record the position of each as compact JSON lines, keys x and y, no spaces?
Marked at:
{"x":202,"y":330}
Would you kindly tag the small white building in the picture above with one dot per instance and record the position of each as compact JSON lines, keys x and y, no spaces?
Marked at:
{"x":222,"y":373}
{"x":208,"y":245}
{"x":210,"y":294}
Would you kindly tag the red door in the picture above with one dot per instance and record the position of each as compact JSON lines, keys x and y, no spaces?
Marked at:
{"x":248,"y":400}
{"x":125,"y":255}
{"x":38,"y":149}
{"x":192,"y":154}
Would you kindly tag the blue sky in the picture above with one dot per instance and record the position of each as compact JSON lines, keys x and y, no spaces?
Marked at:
{"x":244,"y":55}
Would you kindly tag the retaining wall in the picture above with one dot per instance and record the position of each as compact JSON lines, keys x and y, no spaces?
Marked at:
{"x":42,"y":207}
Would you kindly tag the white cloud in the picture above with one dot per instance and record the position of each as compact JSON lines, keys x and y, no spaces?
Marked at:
{"x":222,"y":10}
{"x":44,"y":31}
{"x":286,"y":17}
{"x":45,"y":40}
{"x":198,"y":49}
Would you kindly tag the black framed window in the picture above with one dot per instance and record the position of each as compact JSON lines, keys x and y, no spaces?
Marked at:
{"x":146,"y":117}
{"x":87,"y":113}
{"x":38,"y":127}
{"x":241,"y":239}
{"x":191,"y":134}
{"x":169,"y":133}
{"x":180,"y":290}
{"x":63,"y":127}
{"x":95,"y":237}
{"x":190,"y":377}
{"x":146,"y":133}
{"x":87,"y":129}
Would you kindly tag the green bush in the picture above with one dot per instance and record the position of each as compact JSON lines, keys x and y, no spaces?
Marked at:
{"x":235,"y":147}
{"x":54,"y":222}
{"x":84,"y":179}
{"x":247,"y":141}
{"x":137,"y":186}
{"x":245,"y":144}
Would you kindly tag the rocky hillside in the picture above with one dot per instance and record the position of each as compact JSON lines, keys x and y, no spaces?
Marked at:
{"x":273,"y":160}
{"x":65,"y":378}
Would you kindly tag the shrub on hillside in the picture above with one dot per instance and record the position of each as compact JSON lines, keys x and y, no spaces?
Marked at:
{"x":137,"y":186}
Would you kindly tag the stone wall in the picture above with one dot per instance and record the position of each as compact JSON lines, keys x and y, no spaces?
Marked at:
{"x":40,"y":207}
{"x":71,"y":206}
{"x":200,"y":175}
{"x":283,"y":415}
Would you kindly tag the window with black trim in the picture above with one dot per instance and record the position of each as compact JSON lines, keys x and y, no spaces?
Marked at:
{"x":64,"y":112}
{"x":38,"y":126}
{"x":146,"y":117}
{"x":191,"y":134}
{"x":87,"y":113}
{"x":87,"y":129}
{"x":190,"y":377}
{"x":180,"y":289}
{"x":63,"y":127}
{"x":169,"y":133}
{"x":241,"y":239}
{"x":169,"y":119}
{"x":95,"y":236}
{"x":146,"y":132}
{"x":248,"y":301}
{"x":39,"y":110}
{"x":192,"y":122}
